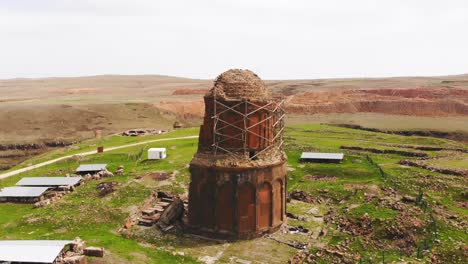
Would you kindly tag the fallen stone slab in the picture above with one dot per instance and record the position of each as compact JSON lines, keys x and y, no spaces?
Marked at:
{"x":149,"y":212}
{"x":145,"y":222}
{"x":94,"y":252}
{"x":408,"y":199}
{"x":173,"y":212}
{"x":167,"y":200}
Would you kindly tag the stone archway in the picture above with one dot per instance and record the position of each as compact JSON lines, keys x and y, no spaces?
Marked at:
{"x":246,"y":207}
{"x":225,"y":208}
{"x":278,"y":201}
{"x":206,"y":198}
{"x":265,"y":204}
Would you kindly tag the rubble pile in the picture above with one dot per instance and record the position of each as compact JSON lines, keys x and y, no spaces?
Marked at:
{"x":361,"y":226}
{"x":106,"y":187}
{"x":120,"y":170}
{"x":78,"y":252}
{"x":162,"y":209}
{"x":54,"y":195}
{"x":340,"y":253}
{"x":320,"y":178}
{"x":304,"y":197}
{"x":102,"y":174}
{"x":404,"y":233}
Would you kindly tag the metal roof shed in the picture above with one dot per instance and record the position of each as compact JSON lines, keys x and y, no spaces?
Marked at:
{"x":90,"y":168}
{"x":322,"y":157}
{"x":31,"y":251}
{"x":23,"y":191}
{"x":22,"y":194}
{"x":49,"y":181}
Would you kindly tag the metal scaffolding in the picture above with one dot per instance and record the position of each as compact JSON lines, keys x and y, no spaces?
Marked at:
{"x":274,"y":109}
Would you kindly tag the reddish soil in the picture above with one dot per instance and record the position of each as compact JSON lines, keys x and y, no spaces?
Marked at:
{"x":412,"y":101}
{"x":190,"y":91}
{"x":186,"y":109}
{"x":396,"y":101}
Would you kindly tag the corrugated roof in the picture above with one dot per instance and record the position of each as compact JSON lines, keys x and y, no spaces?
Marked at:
{"x":317,"y":155}
{"x":37,"y":251}
{"x":91,"y":167}
{"x":48,"y":181}
{"x":17,"y":191}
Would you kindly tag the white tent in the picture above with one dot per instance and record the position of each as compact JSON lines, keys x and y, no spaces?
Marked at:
{"x":156,"y":153}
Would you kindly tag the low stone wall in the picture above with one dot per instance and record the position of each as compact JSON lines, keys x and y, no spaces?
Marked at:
{"x":388,"y":151}
{"x":419,"y":164}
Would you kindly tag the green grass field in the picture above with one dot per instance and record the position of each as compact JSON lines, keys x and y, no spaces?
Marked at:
{"x":358,"y":187}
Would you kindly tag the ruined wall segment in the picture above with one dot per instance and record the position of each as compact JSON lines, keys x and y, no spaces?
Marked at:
{"x":238,"y":175}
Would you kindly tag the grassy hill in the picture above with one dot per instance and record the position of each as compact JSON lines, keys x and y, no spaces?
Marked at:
{"x":354,"y":211}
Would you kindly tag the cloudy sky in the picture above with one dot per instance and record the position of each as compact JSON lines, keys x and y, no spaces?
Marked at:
{"x":278,"y":39}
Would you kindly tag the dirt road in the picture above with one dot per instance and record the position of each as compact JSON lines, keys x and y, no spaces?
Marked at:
{"x":18,"y":171}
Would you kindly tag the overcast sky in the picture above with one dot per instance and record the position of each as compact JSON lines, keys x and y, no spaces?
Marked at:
{"x":278,"y":39}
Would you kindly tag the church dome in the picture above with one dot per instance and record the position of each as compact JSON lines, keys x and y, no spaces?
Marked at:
{"x":239,"y":84}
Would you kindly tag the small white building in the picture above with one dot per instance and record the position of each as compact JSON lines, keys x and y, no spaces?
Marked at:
{"x":156,"y":153}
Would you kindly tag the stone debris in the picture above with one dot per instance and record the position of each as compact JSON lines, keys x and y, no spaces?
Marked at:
{"x":298,"y":229}
{"x":408,"y":199}
{"x":52,"y":196}
{"x":172,"y":213}
{"x":361,"y":226}
{"x":78,"y":252}
{"x":320,"y":178}
{"x":304,"y":197}
{"x":105,"y":174}
{"x":120,"y":170}
{"x":66,"y":188}
{"x":291,"y":215}
{"x":293,"y":244}
{"x":94,"y":252}
{"x":42,"y":203}
{"x":160,"y":208}
{"x":78,"y":245}
{"x":211,"y":260}
{"x":87,"y":177}
{"x":142,"y":132}
{"x":106,"y":187}
{"x":74,"y":260}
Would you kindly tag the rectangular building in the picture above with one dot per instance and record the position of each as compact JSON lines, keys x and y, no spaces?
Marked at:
{"x":156,"y":153}
{"x":32,"y":251}
{"x":322,"y":157}
{"x":90,"y":168}
{"x":49,"y":181}
{"x":22,"y":194}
